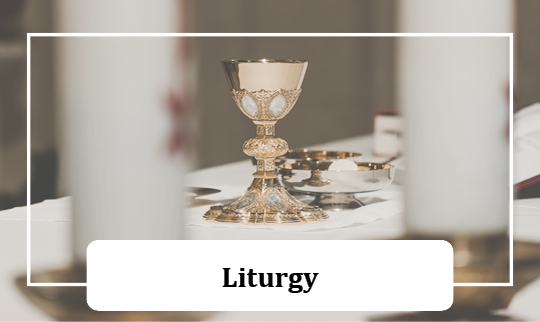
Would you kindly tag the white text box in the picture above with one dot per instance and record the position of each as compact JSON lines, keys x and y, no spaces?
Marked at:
{"x":321,"y":275}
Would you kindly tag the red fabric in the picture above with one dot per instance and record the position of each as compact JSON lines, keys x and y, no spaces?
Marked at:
{"x":177,"y":108}
{"x":386,"y":112}
{"x":527,"y":183}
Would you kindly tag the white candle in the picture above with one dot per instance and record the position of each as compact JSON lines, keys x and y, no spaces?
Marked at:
{"x":452,"y":92}
{"x":125,"y":182}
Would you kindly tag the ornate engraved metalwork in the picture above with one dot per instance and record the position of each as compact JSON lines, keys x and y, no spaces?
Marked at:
{"x":265,"y":130}
{"x":269,"y":105}
{"x":265,"y":201}
{"x":265,"y":148}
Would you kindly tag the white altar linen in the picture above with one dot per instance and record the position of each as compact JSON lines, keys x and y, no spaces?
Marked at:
{"x":50,"y":244}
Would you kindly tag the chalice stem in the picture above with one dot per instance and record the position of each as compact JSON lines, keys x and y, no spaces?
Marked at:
{"x":259,"y":148}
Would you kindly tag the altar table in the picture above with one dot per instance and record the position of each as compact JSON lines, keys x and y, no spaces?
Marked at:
{"x":50,"y":237}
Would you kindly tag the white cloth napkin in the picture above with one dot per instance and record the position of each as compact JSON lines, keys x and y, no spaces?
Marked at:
{"x":392,"y":205}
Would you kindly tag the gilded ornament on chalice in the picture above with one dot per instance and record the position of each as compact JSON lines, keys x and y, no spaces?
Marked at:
{"x":265,"y":90}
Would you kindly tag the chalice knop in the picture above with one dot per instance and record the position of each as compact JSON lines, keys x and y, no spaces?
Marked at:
{"x":265,"y":90}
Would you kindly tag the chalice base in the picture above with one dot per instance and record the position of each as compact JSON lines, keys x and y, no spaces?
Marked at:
{"x":266,"y":202}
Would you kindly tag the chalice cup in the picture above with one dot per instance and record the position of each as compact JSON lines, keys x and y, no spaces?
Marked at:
{"x":265,"y":90}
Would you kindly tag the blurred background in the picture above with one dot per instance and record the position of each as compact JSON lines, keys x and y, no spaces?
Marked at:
{"x":335,"y":102}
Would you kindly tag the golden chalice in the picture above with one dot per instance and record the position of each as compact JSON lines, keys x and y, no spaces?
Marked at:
{"x":265,"y":90}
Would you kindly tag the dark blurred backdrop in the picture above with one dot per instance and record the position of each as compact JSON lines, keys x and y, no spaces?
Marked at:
{"x":348,"y":78}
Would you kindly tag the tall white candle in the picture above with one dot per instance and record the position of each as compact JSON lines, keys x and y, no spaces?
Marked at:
{"x":452,"y":92}
{"x":117,"y":98}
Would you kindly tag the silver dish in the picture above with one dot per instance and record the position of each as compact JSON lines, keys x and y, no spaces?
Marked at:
{"x":315,"y":156}
{"x":335,"y":189}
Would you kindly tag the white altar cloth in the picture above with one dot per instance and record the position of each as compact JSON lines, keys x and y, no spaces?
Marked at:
{"x":51,"y":239}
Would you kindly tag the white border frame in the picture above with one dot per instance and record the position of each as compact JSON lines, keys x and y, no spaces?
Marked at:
{"x":510,"y":113}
